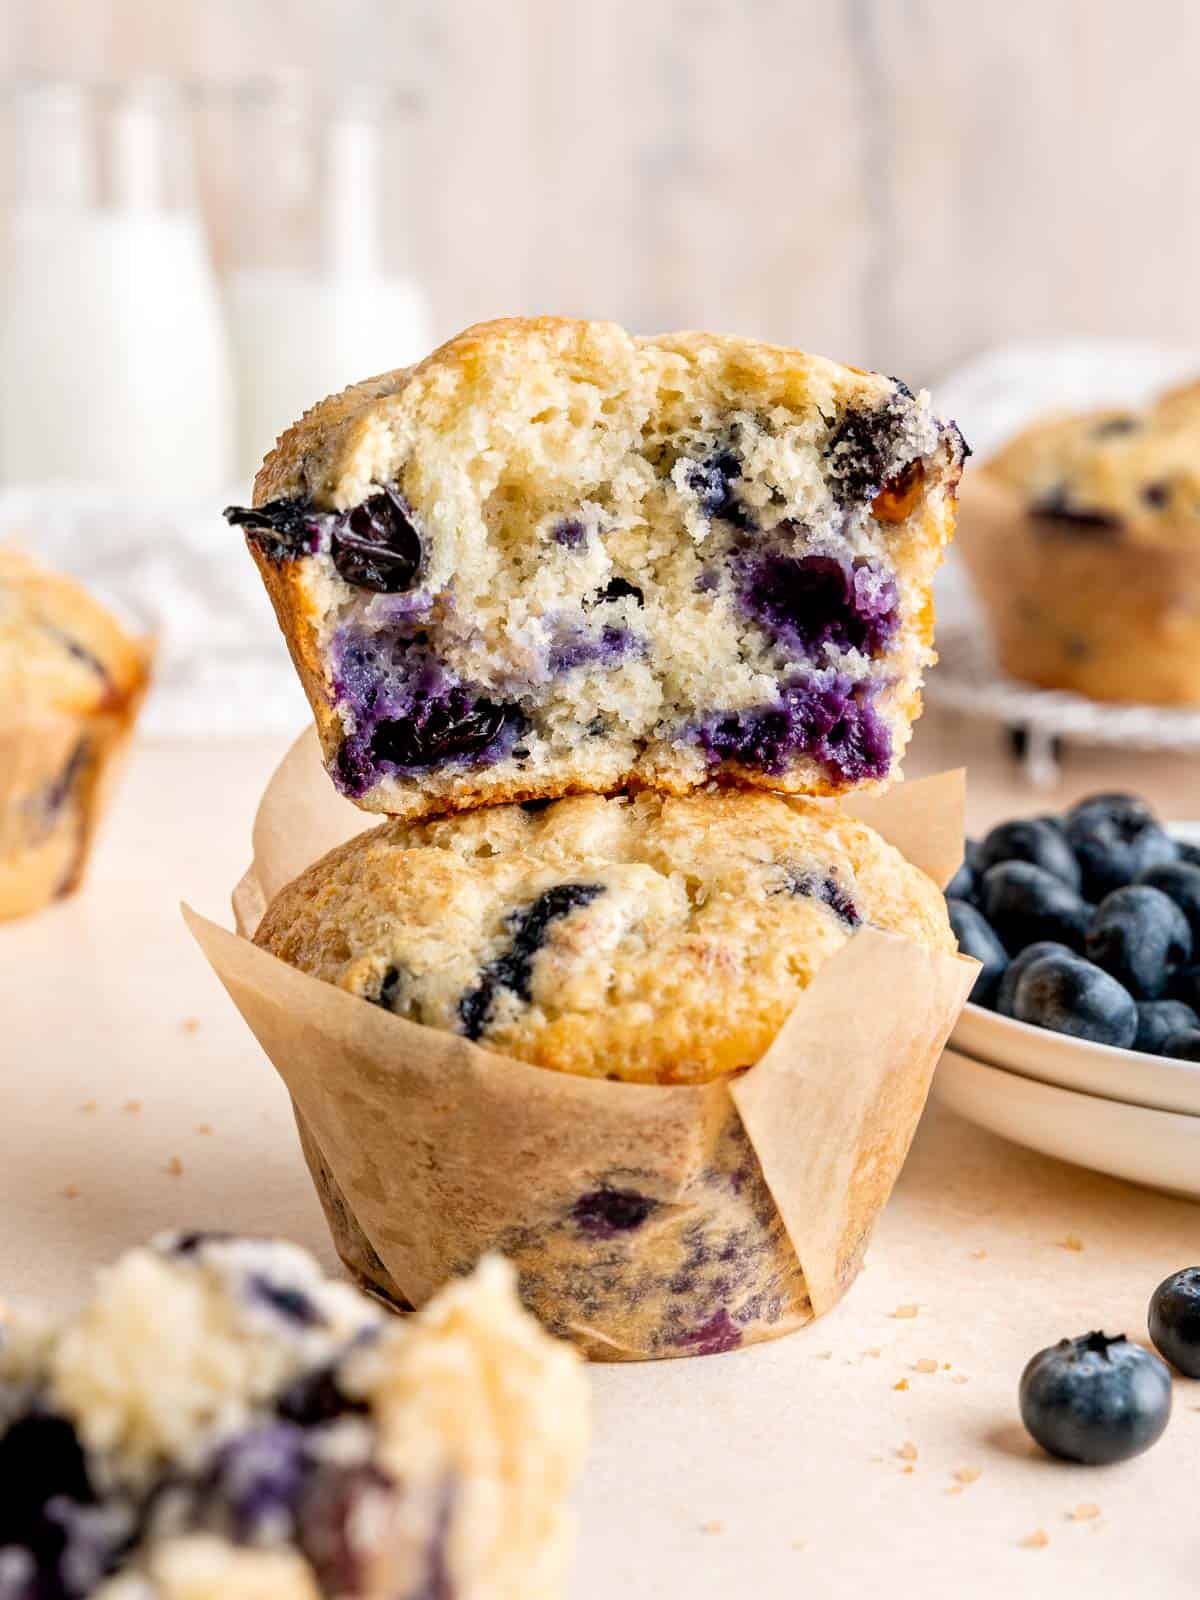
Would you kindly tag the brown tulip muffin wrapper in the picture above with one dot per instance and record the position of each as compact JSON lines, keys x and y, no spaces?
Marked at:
{"x":1087,"y":611}
{"x":645,"y":1221}
{"x":41,"y":862}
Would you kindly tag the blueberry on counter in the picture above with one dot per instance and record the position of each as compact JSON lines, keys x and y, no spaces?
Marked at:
{"x":965,"y":882}
{"x":1141,"y":937}
{"x":976,"y":938}
{"x":1034,"y":839}
{"x":1179,"y":881}
{"x":1017,"y":966}
{"x":1183,"y":1046}
{"x":1094,"y":1399}
{"x":1158,"y":1021}
{"x":1116,"y":838}
{"x":1025,"y":903}
{"x":1175,"y":1320}
{"x":1070,"y":995}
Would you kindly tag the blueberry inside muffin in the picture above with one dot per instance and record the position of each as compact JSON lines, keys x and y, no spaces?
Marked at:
{"x":554,"y":558}
{"x":220,"y":1419}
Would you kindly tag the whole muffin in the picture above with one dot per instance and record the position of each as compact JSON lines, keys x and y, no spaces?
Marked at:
{"x":222,"y":1420}
{"x":554,"y":559}
{"x":1082,"y":537}
{"x":650,"y":939}
{"x":71,"y":682}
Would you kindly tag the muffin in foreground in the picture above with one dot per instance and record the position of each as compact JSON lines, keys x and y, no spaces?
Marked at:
{"x":1082,"y":538}
{"x":220,"y":1422}
{"x":71,"y":682}
{"x":650,"y":938}
{"x":555,"y":559}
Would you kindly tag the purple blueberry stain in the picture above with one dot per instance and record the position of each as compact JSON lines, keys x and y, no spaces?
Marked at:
{"x":528,"y":929}
{"x":289,"y":1303}
{"x":257,"y":1480}
{"x":812,"y":603}
{"x":714,"y":1337}
{"x":571,"y":533}
{"x":828,"y":891}
{"x":825,"y":717}
{"x":605,"y":1212}
{"x":578,"y":647}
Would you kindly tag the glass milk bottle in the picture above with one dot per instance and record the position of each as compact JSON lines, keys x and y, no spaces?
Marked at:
{"x":114,"y":363}
{"x":320,"y":296}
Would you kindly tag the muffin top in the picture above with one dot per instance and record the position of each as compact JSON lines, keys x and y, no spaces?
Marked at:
{"x":650,"y":939}
{"x":60,"y":649}
{"x":1131,"y":475}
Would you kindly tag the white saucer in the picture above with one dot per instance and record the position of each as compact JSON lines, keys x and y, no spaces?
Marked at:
{"x":1158,"y":1148}
{"x":1093,"y":1069}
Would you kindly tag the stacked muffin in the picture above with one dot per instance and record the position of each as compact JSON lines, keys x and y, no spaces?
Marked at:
{"x":602,"y":625}
{"x":1082,"y":537}
{"x":72,"y":680}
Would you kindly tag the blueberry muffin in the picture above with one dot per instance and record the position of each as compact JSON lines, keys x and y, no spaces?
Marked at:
{"x":1082,"y":537}
{"x":71,"y":681}
{"x":221,"y":1422}
{"x":651,"y":939}
{"x":555,"y":559}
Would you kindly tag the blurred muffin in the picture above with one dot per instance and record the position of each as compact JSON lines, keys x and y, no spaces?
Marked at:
{"x":1082,"y":538}
{"x":71,"y":682}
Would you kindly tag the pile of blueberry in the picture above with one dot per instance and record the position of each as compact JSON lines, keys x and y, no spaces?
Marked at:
{"x":1096,"y":1399}
{"x":1088,"y":924}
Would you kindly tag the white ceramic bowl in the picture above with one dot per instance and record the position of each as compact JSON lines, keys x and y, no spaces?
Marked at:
{"x":1096,"y":1069}
{"x":1158,"y":1148}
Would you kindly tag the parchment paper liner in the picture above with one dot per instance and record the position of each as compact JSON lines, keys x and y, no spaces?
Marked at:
{"x":36,"y":746}
{"x":742,"y":1207}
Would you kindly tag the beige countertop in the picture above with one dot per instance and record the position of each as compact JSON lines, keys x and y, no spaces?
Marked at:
{"x":132,"y":1098}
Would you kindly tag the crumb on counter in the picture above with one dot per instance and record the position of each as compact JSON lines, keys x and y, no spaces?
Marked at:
{"x":902,"y":1313}
{"x":1037,"y":1540}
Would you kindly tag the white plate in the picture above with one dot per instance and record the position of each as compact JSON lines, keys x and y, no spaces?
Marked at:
{"x":1127,"y":1075}
{"x":1158,"y":1148}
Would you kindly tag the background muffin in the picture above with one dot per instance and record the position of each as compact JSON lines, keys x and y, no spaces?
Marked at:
{"x":650,"y":939}
{"x":71,"y":682}
{"x":1082,"y":537}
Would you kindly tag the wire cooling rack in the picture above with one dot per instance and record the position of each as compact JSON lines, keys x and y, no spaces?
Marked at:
{"x":967,"y":679}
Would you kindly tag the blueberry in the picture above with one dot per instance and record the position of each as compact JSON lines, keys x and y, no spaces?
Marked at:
{"x":1018,"y":965}
{"x":963,"y":884}
{"x":1031,"y":839}
{"x":1188,"y":852}
{"x":828,"y":891}
{"x":1158,"y":1020}
{"x":1175,"y":1320}
{"x":282,"y":529}
{"x":1185,"y":985}
{"x":1094,"y":1399}
{"x":976,"y":938}
{"x":1180,"y":881}
{"x":615,"y":589}
{"x":293,"y":1305}
{"x":829,"y":719}
{"x":864,"y":448}
{"x":1115,"y":838}
{"x":258,"y":1478}
{"x":807,"y":603}
{"x":376,"y":546}
{"x":316,"y":1396}
{"x":1070,"y":995}
{"x":604,"y":1212}
{"x":443,"y":729}
{"x":1057,"y":508}
{"x":570,"y":533}
{"x":41,"y":1459}
{"x":712,"y":482}
{"x":1184,"y":1045}
{"x":1141,"y":937}
{"x":1025,"y":903}
{"x":514,"y":969}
